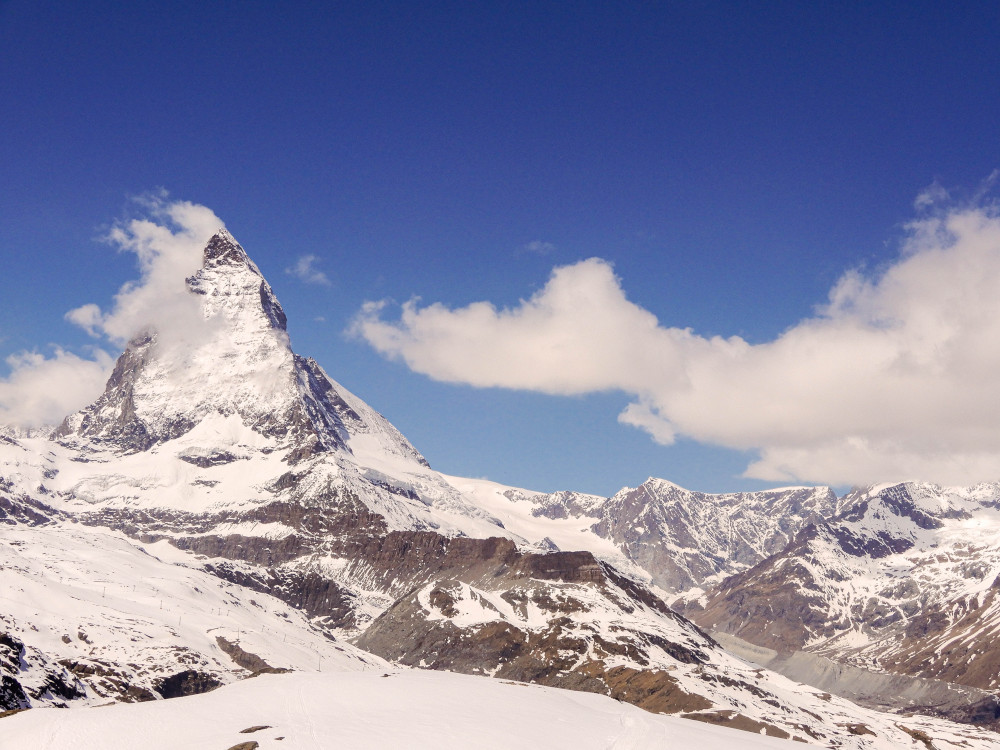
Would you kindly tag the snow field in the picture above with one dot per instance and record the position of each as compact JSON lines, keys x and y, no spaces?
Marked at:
{"x":373,"y":711}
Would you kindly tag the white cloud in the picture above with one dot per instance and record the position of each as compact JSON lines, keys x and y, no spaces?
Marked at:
{"x":42,"y":390}
{"x":894,"y":378}
{"x":641,"y":415}
{"x":89,"y":317}
{"x":305,"y":270}
{"x":933,"y":194}
{"x":168,"y":244}
{"x":579,"y":334}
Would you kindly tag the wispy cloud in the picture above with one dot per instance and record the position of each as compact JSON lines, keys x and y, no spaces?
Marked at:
{"x":538,"y":247}
{"x":89,"y":317}
{"x":895,"y":377}
{"x":931,"y":195}
{"x":305,"y":270}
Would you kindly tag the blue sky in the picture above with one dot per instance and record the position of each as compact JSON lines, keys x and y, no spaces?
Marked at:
{"x":731,"y":163}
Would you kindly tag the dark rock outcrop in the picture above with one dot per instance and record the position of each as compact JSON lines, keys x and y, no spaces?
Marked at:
{"x":188,"y":682}
{"x":12,"y":695}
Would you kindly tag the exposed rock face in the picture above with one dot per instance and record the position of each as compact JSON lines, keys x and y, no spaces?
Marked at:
{"x":188,"y":682}
{"x":46,"y":681}
{"x":110,"y":680}
{"x":12,"y":696}
{"x":564,"y":505}
{"x":779,"y":605}
{"x":23,"y":509}
{"x":683,"y":541}
{"x":688,"y":539}
{"x":112,"y":418}
{"x":249,"y":661}
{"x":517,"y":615}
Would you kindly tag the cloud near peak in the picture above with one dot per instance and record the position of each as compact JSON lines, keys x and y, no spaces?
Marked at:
{"x":42,"y":390}
{"x":168,"y":242}
{"x":895,"y":377}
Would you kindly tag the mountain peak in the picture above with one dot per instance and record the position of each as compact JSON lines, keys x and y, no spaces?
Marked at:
{"x":238,"y":363}
{"x":232,"y":283}
{"x":223,"y":249}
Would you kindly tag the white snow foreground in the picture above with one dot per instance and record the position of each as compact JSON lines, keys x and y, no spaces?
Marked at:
{"x":360,"y":710}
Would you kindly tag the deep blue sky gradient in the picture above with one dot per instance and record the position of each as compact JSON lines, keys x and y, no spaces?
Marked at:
{"x":731,"y":159}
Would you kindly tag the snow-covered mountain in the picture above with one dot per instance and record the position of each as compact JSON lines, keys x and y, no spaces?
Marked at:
{"x":220,"y":471}
{"x":678,"y":539}
{"x":904,"y":579}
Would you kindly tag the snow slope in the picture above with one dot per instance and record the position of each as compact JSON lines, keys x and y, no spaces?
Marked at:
{"x":101,"y":616}
{"x":361,"y":711}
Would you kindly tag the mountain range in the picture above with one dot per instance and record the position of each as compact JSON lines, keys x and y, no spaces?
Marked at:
{"x":226,"y":509}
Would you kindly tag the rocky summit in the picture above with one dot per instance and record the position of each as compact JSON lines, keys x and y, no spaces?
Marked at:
{"x":225,"y":509}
